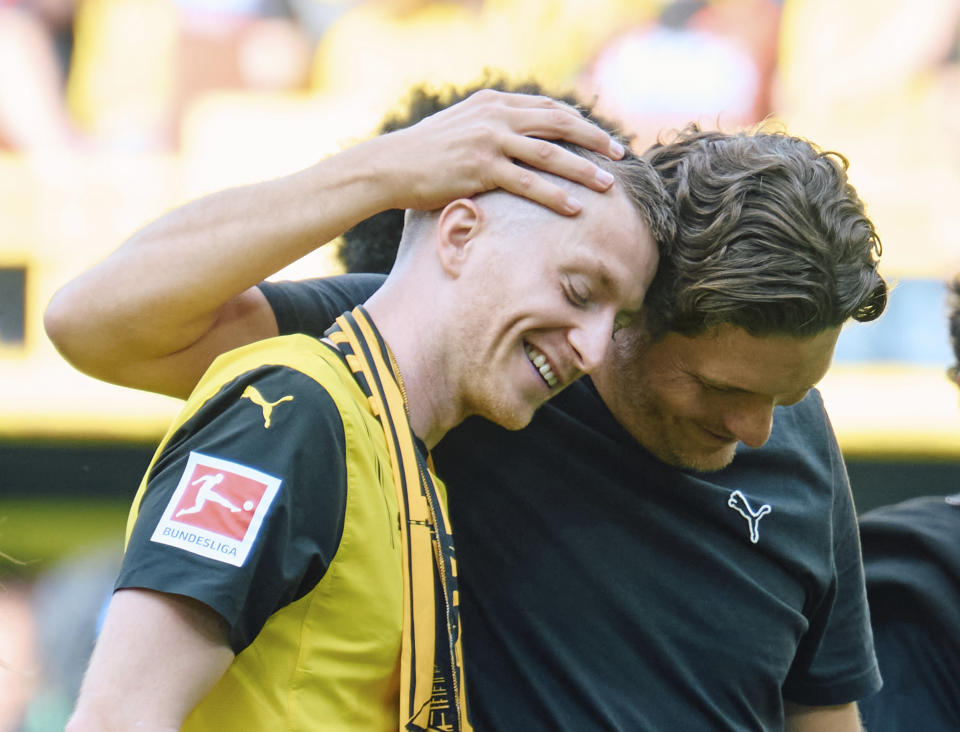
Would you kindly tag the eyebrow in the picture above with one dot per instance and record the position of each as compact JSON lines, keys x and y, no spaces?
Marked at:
{"x":714,"y":384}
{"x":724,"y":386}
{"x":609,"y":283}
{"x":605,"y":278}
{"x":593,"y":265}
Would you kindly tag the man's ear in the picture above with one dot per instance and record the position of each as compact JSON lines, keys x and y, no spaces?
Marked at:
{"x":458,"y":225}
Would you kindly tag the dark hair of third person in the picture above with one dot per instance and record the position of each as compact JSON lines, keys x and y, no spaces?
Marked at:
{"x":371,"y":245}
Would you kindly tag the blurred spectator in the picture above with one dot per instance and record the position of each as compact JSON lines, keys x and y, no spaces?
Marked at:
{"x":879,"y":79}
{"x":249,"y":44}
{"x":18,"y":668}
{"x":707,"y":61}
{"x":837,"y":57}
{"x":315,"y":16}
{"x":140,"y":63}
{"x":911,"y":556}
{"x":36,"y":38}
{"x":68,"y":603}
{"x":553,"y":40}
{"x":381,"y":48}
{"x":121,"y":86}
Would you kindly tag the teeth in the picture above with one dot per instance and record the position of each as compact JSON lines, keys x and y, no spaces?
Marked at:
{"x":540,"y":362}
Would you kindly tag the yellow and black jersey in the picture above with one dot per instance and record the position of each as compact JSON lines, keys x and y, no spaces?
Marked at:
{"x":271,"y":500}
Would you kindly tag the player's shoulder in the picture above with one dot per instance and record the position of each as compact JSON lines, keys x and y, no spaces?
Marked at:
{"x":291,"y":357}
{"x":297,"y":352}
{"x":296,"y":376}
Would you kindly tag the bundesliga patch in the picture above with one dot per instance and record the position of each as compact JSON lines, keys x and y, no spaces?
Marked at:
{"x":217,"y":509}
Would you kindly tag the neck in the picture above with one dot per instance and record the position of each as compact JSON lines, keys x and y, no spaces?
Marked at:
{"x":409,"y":324}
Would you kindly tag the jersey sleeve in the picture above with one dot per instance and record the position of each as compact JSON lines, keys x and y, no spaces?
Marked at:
{"x":836,"y":663}
{"x":311,"y":306}
{"x":243,"y":509}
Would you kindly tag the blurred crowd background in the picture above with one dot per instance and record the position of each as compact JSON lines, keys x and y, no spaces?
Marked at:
{"x":112,"y":111}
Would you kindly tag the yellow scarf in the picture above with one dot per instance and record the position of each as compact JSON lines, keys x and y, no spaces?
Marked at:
{"x":432,"y":695}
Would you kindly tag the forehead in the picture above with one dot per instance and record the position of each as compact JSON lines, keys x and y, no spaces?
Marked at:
{"x":731,"y":358}
{"x":610,"y":243}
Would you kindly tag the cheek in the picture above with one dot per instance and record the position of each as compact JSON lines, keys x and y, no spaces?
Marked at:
{"x":686,"y":402}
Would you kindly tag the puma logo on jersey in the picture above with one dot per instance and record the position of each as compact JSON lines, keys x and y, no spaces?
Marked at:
{"x":739,"y":503}
{"x":254,"y":396}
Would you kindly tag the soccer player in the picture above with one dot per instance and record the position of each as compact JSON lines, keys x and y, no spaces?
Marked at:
{"x":289,"y":562}
{"x":671,"y":545}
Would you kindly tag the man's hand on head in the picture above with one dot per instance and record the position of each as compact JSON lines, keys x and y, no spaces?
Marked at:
{"x":475,"y":145}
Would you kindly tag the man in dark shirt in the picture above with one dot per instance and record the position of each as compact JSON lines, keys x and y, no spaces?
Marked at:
{"x":626,"y":562}
{"x":911,"y":557}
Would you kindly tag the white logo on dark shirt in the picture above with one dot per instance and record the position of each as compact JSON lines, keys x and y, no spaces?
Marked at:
{"x":739,"y":503}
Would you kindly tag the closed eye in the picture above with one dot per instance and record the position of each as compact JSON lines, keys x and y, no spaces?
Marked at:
{"x":577,"y":294}
{"x":719,"y":388}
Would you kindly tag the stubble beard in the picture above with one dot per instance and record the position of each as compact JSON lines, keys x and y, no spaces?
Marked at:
{"x":662,"y":436}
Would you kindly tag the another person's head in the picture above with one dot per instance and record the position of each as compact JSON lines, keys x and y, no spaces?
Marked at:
{"x":954,"y":319}
{"x":773,"y":253}
{"x":526,"y":300}
{"x":371,"y":245}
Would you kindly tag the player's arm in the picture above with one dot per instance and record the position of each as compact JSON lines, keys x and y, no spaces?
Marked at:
{"x":183,"y":612}
{"x":839,"y":665}
{"x":181,"y":290}
{"x":840,"y":718}
{"x":156,"y":657}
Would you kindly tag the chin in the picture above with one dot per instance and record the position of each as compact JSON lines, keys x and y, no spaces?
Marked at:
{"x":710,"y":462}
{"x":510,"y":417}
{"x":702,"y":461}
{"x":515,"y":421}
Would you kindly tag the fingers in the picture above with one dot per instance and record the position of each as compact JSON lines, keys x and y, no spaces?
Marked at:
{"x":530,"y":184}
{"x":551,"y":158}
{"x":557,"y":124}
{"x":472,"y":147}
{"x":550,"y":119}
{"x":531,"y":123}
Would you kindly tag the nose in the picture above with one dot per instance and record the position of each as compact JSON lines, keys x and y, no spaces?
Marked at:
{"x":590,"y":339}
{"x":751,"y":421}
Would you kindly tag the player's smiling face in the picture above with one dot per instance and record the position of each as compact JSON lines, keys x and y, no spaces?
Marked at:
{"x":549,"y":299}
{"x":690,"y":400}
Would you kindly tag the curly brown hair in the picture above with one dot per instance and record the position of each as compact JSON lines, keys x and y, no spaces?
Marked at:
{"x":771,"y":238}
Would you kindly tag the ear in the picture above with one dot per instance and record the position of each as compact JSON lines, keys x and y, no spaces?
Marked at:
{"x":459,"y":223}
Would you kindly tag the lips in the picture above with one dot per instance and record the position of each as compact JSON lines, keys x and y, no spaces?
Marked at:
{"x":542,"y":366}
{"x":717,"y":437}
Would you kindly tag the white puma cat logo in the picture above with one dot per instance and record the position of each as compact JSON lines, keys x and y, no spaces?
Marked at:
{"x":741,"y":505}
{"x":254,"y":396}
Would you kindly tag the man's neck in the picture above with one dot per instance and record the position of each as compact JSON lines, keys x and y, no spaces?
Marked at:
{"x":411,"y":333}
